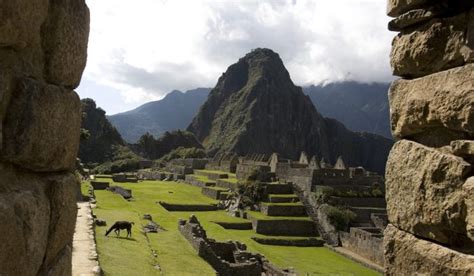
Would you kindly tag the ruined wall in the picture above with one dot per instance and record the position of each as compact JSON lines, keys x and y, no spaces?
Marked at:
{"x":366,"y":242}
{"x":43,"y":47}
{"x":429,"y":190}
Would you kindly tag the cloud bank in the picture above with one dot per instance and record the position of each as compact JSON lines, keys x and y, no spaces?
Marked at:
{"x":146,"y":48}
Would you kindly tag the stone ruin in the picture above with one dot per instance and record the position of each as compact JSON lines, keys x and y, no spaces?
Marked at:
{"x":254,"y":162}
{"x":43,"y":49}
{"x":123,"y":177}
{"x":223,"y":162}
{"x":176,"y":169}
{"x":227,"y":258}
{"x":125,"y":193}
{"x":429,"y":175}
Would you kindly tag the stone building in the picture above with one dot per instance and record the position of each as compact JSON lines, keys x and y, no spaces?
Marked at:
{"x":226,"y":162}
{"x":43,"y":49}
{"x":430,"y":190}
{"x":254,"y":162}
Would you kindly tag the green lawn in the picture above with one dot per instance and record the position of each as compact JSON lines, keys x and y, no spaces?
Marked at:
{"x":175,"y":256}
{"x":203,"y":178}
{"x":231,"y":175}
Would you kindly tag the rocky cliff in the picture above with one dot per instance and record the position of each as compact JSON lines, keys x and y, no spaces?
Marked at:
{"x":429,"y":177}
{"x":256,"y":108}
{"x":43,"y":48}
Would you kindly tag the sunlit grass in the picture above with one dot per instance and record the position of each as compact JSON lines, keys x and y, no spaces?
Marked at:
{"x":175,"y":256}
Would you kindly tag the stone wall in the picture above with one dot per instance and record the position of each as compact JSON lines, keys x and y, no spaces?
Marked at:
{"x":244,"y":170}
{"x":193,"y":163}
{"x":367,"y":242}
{"x":276,"y":227}
{"x":100,"y":185}
{"x":429,"y":197}
{"x":227,"y":258}
{"x":43,"y":47}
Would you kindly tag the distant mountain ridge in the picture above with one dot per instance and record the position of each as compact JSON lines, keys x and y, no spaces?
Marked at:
{"x":359,"y":106}
{"x":256,"y":108}
{"x":173,"y":112}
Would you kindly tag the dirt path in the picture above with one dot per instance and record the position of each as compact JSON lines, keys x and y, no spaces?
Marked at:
{"x":84,"y":253}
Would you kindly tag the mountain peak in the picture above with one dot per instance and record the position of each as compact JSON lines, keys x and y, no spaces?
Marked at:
{"x":256,"y":108}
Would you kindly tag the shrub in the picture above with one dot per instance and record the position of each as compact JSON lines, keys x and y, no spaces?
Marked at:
{"x":377,"y":192}
{"x":324,"y":193}
{"x":256,"y":175}
{"x":250,"y":194}
{"x":340,"y":217}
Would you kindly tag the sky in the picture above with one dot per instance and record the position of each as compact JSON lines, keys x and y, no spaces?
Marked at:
{"x":141,"y":50}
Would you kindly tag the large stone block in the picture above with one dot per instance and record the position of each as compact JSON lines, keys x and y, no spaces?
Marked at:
{"x":24,"y":220}
{"x":61,"y":191}
{"x":468,"y":189}
{"x":41,"y":128}
{"x":62,"y":264}
{"x":405,"y":254}
{"x":437,"y":45}
{"x":442,"y":100}
{"x":20,"y":22}
{"x":424,"y":192}
{"x":65,"y":37}
{"x":398,"y":7}
{"x":463,"y":148}
{"x":411,"y":18}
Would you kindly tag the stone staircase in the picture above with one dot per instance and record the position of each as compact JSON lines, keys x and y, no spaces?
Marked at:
{"x":283,"y":220}
{"x":216,"y":185}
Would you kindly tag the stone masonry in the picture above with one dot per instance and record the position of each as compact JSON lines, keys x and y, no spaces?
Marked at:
{"x":43,"y":49}
{"x":429,"y":186}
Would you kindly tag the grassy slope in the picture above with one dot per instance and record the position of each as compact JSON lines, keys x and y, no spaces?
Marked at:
{"x":175,"y":255}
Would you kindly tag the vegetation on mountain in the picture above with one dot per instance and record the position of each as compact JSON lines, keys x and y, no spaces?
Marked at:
{"x":182,"y":152}
{"x":101,"y":143}
{"x":151,"y":148}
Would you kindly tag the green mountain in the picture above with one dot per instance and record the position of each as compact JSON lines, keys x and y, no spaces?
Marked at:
{"x":102,"y":139}
{"x":256,"y":108}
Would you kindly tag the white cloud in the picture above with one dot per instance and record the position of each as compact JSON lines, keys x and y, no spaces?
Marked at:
{"x":146,"y":48}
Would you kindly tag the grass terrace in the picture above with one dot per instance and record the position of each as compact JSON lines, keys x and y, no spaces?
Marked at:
{"x":260,"y":216}
{"x":231,"y":175}
{"x":174,"y":255}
